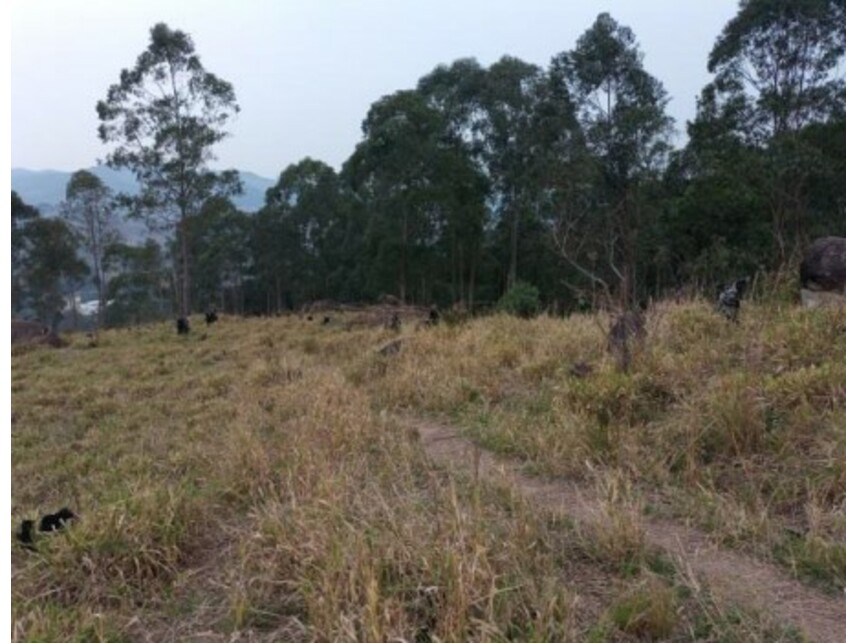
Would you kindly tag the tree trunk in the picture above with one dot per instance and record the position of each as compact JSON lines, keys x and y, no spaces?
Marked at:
{"x":403,"y":260}
{"x":513,"y":246}
{"x":176,"y":286}
{"x":472,"y":285}
{"x":185,"y":285}
{"x":102,"y":294}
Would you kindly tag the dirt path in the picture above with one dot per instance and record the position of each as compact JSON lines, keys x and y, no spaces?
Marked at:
{"x":733,"y":577}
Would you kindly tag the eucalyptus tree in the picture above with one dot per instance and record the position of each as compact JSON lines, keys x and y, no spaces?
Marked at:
{"x":779,"y":93}
{"x":518,"y":132}
{"x":783,"y":62}
{"x":308,"y":200}
{"x":220,"y":246}
{"x":21,"y":214}
{"x":138,"y":283}
{"x":273,"y":245}
{"x":508,"y":97}
{"x":403,"y":172}
{"x":89,"y":210}
{"x":52,"y":269}
{"x":164,"y":117}
{"x":455,"y":91}
{"x":621,"y":109}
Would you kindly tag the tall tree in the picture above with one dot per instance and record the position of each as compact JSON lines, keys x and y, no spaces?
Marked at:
{"x":622,"y":110}
{"x":456,"y":92}
{"x":137,"y":283}
{"x":395,"y":170}
{"x":89,"y":211}
{"x":509,"y":99}
{"x":783,"y":58}
{"x":309,"y":204}
{"x":52,"y":268}
{"x":165,"y":115}
{"x":518,"y":127}
{"x":779,"y":69}
{"x":533,"y":145}
{"x":22,"y":215}
{"x":220,"y":247}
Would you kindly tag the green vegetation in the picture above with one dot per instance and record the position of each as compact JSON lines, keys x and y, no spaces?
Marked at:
{"x":522,"y":300}
{"x":480,"y":177}
{"x":254,"y":479}
{"x":743,"y":428}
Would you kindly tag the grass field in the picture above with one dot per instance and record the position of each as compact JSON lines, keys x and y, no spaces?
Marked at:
{"x":254,"y":481}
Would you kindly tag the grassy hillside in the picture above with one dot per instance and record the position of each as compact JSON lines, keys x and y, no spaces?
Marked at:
{"x":255,"y":480}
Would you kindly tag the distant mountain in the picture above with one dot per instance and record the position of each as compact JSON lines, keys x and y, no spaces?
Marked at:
{"x":45,"y":189}
{"x":255,"y":187}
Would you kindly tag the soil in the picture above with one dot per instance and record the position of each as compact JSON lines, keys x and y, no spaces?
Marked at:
{"x":731,"y":576}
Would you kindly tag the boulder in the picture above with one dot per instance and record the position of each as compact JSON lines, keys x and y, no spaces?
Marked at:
{"x":822,"y":272}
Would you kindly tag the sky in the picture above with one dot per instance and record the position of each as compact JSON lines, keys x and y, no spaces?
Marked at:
{"x":305,"y":73}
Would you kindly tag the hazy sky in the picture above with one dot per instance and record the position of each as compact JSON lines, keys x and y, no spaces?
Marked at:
{"x":305,"y":73}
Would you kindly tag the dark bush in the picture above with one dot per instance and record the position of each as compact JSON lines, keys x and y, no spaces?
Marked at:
{"x":522,"y":300}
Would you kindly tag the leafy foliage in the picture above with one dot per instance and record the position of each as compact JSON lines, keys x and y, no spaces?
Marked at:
{"x":139,"y":288}
{"x":522,"y":300}
{"x":562,"y":177}
{"x":164,"y":116}
{"x":52,"y":269}
{"x":89,"y":209}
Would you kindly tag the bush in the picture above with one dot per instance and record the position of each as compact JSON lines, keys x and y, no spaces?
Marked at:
{"x":522,"y":300}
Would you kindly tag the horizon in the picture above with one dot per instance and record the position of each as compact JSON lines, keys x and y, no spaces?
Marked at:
{"x":305,"y":76}
{"x":52,"y":169}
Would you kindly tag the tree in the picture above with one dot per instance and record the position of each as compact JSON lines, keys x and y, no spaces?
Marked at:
{"x":22,"y":215}
{"x":52,"y":268}
{"x":392,"y":171}
{"x":309,"y":205}
{"x":456,"y":92}
{"x":780,"y":59}
{"x":89,"y":211}
{"x":778,"y":68}
{"x":165,"y":115}
{"x":508,"y":96}
{"x":220,"y":247}
{"x":621,"y":109}
{"x":137,"y":283}
{"x":518,"y":128}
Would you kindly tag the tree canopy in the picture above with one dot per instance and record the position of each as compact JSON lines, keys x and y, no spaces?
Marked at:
{"x":163,"y":117}
{"x":564,"y":178}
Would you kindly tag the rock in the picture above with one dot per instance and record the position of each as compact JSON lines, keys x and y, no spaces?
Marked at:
{"x":823,"y":265}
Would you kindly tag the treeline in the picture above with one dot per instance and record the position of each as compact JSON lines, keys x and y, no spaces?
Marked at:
{"x":565,"y":178}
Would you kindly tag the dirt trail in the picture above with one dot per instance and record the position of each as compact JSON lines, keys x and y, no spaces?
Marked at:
{"x":733,"y":577}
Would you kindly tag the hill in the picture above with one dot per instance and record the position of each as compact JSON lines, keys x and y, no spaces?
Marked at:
{"x":45,"y":189}
{"x":262,"y":479}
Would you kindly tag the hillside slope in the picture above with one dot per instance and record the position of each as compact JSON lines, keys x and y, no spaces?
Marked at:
{"x":255,"y":480}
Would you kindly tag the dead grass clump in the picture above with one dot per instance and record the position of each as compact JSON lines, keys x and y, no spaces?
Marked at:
{"x":59,"y":623}
{"x":122,"y":554}
{"x":359,"y":539}
{"x":619,"y":398}
{"x":420,"y":564}
{"x":647,"y":611}
{"x":616,"y":537}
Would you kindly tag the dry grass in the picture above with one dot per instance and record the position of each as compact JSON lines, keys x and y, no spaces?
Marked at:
{"x":251,"y":482}
{"x":741,"y":428}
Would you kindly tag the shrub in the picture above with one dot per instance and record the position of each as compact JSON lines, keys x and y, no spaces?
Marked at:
{"x":522,"y":300}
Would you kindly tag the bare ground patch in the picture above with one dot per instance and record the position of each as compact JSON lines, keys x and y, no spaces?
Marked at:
{"x":732,"y":577}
